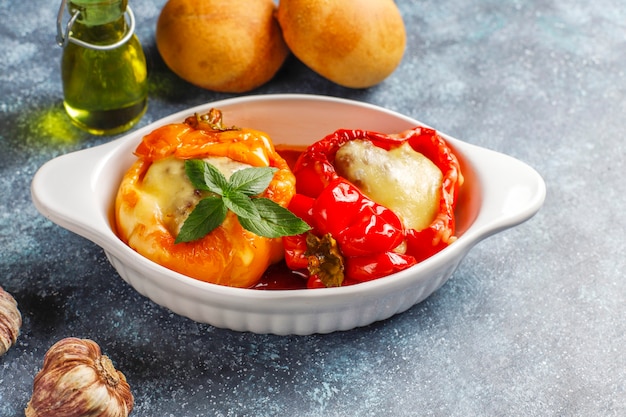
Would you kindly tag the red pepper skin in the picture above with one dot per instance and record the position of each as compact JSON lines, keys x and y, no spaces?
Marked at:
{"x":440,"y":233}
{"x":425,"y":243}
{"x":295,"y":248}
{"x":366,"y":232}
{"x":314,"y":282}
{"x":314,"y":170}
{"x":360,"y":226}
{"x":302,"y":206}
{"x":368,"y":268}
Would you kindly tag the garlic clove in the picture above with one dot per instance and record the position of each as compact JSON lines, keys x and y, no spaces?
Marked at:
{"x":10,"y":321}
{"x":76,"y":380}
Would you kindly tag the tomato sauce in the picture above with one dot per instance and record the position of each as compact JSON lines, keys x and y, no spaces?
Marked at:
{"x":279,"y":277}
{"x":290,"y":153}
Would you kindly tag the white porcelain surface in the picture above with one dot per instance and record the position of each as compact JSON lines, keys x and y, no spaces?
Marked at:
{"x":77,"y":190}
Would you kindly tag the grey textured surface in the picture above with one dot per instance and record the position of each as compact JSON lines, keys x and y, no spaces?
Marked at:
{"x":531,"y":324}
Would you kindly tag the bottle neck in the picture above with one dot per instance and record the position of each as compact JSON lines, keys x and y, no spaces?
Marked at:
{"x":99,"y":22}
{"x":98,"y":12}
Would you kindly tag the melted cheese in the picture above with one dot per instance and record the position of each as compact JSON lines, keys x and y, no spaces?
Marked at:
{"x":400,"y":179}
{"x":172,"y":193}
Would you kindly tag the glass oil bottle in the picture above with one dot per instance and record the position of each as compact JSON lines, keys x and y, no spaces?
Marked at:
{"x":103,"y":67}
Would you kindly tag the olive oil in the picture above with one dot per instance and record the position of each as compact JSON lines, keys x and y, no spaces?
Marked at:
{"x":105,"y":89}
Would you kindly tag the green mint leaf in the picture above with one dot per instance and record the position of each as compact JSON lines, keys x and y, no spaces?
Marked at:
{"x":273,"y":221}
{"x":194,"y":168}
{"x":240,"y":204}
{"x":214,"y":179}
{"x":208,"y":214}
{"x":205,"y":177}
{"x":261,"y":216}
{"x":252,"y":181}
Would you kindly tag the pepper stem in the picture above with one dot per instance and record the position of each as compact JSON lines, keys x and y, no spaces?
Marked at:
{"x":211,"y":121}
{"x":325,"y":259}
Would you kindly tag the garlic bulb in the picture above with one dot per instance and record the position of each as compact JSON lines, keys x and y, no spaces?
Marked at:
{"x":10,"y":321}
{"x":77,"y":380}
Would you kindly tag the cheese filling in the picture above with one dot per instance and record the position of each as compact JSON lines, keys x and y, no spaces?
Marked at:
{"x":173,"y":194}
{"x":401,"y":179}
